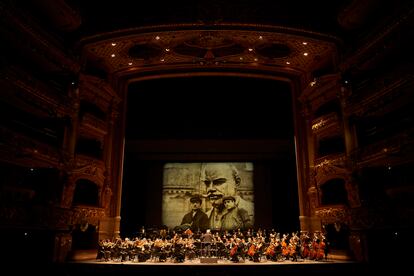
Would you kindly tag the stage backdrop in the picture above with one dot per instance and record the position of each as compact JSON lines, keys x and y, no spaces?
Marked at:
{"x":181,"y":181}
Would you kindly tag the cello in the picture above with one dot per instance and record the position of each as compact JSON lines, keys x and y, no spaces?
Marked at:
{"x":270,"y":250}
{"x":233,"y":251}
{"x":252,"y":250}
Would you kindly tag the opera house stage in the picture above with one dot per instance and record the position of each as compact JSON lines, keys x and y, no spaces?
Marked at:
{"x":152,"y":118}
{"x":195,"y":267}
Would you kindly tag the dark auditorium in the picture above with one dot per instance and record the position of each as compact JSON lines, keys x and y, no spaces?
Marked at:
{"x":211,"y":137}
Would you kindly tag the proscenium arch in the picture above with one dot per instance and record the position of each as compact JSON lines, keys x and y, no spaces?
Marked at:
{"x":189,"y":74}
{"x":111,"y":50}
{"x":291,"y":83}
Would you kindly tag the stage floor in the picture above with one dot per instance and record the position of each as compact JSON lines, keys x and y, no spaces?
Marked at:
{"x":209,"y":261}
{"x":85,"y":263}
{"x":89,"y":257}
{"x":221,"y":268}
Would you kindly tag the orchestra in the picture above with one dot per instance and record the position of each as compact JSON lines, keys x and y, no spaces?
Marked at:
{"x":255,"y":246}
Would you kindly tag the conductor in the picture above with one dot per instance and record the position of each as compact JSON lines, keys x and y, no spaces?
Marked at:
{"x":207,"y":240}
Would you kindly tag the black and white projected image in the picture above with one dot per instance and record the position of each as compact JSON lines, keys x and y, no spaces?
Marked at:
{"x":200,"y":196}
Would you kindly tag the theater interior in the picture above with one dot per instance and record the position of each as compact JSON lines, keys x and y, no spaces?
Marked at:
{"x":98,"y":96}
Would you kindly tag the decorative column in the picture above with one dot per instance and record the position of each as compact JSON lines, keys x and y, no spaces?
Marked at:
{"x":63,"y":237}
{"x":308,"y":200}
{"x":71,"y":132}
{"x":356,"y":238}
{"x":69,"y":147}
{"x":110,"y":225}
{"x":106,"y":194}
{"x":350,"y":146}
{"x":349,"y":132}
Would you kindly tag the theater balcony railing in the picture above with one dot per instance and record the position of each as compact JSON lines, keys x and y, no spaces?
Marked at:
{"x":91,"y":126}
{"x":394,"y":150}
{"x":332,"y":159}
{"x":89,"y":214}
{"x":20,"y":149}
{"x":38,"y":93}
{"x":326,"y":125}
{"x":329,"y":214}
{"x":376,"y":98}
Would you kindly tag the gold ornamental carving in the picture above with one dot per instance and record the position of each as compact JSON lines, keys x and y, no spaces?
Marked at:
{"x":91,"y":215}
{"x":330,"y":167}
{"x":333,"y":214}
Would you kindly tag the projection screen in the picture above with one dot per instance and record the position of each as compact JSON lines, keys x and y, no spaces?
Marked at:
{"x":200,"y":196}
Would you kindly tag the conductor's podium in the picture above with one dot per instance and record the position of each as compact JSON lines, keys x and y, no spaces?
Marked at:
{"x":208,"y":260}
{"x":208,"y":253}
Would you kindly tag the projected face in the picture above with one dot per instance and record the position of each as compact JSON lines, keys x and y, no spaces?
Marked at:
{"x":219,"y":180}
{"x":229,"y":204}
{"x":211,"y":183}
{"x":195,"y":205}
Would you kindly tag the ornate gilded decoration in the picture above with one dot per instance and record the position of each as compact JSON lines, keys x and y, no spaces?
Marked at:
{"x":326,"y":122}
{"x":85,"y":168}
{"x":90,"y":215}
{"x":227,"y":46}
{"x":97,"y":91}
{"x":329,"y":167}
{"x":333,"y":214}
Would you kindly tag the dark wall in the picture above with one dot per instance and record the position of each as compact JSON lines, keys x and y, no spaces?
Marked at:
{"x":141,"y":195}
{"x":209,"y":108}
{"x":210,"y":119}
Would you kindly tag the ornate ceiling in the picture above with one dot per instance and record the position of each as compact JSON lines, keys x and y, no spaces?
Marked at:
{"x":279,"y":39}
{"x":265,"y":48}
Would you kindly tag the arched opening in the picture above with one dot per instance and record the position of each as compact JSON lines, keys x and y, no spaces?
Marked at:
{"x":210,"y":119}
{"x":85,"y":235}
{"x":334,"y":192}
{"x":331,"y":145}
{"x":86,"y":193}
{"x":337,"y":235}
{"x":329,"y":107}
{"x":90,"y":147}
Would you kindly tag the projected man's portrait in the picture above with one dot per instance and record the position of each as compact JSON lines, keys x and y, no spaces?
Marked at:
{"x":224,"y":193}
